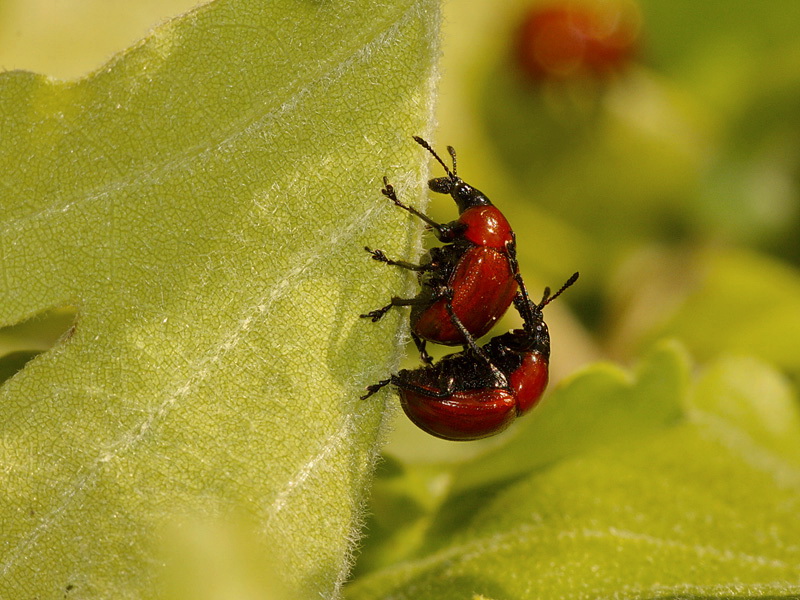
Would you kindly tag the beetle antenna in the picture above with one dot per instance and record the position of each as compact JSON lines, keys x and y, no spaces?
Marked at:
{"x":427,"y":147}
{"x":528,"y":309}
{"x":452,"y":152}
{"x":548,"y":299}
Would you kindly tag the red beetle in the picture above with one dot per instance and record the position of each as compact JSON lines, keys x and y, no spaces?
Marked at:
{"x":475,"y":271}
{"x":479,"y":392}
{"x":562,"y":41}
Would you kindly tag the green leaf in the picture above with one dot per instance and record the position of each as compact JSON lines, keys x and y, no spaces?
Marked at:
{"x":716,"y":301}
{"x":204,"y":200}
{"x":639,"y":505}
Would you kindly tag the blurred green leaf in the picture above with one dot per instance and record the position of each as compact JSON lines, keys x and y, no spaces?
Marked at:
{"x":642,"y":505}
{"x":204,"y":200}
{"x":716,"y":301}
{"x":678,"y":33}
{"x":741,"y":393}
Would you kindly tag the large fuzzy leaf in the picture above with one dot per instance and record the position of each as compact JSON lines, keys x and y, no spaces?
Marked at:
{"x":203,"y":200}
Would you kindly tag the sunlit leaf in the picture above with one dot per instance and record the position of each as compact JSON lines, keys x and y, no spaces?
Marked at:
{"x":204,"y":200}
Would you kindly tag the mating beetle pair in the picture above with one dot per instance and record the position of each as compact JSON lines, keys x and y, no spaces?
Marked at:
{"x":466,"y":286}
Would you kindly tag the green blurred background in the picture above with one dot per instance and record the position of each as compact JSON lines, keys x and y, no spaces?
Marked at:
{"x":661,"y":160}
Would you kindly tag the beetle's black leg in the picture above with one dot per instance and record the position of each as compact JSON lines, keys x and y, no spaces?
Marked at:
{"x":400,"y":381}
{"x":473,"y":346}
{"x":445,"y":232}
{"x":377,"y":314}
{"x":511,"y":251}
{"x":389,"y":192}
{"x":371,"y":389}
{"x":381,"y":257}
{"x":420,"y":344}
{"x":446,"y":392}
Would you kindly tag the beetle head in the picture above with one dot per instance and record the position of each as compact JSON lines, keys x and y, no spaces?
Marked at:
{"x":464,"y":194}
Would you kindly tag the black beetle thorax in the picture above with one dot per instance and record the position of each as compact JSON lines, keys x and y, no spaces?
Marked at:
{"x":466,"y":197}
